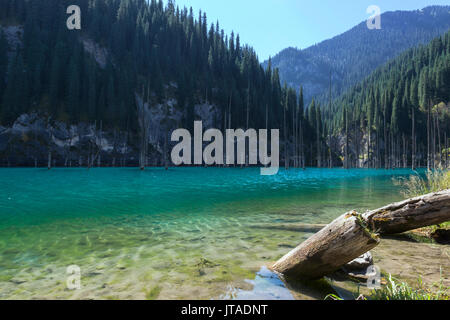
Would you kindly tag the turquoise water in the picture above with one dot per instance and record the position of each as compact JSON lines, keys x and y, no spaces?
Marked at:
{"x":182,"y":233}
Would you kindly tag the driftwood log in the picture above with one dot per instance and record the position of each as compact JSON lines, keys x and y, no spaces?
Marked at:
{"x":353,"y":234}
{"x":343,"y":240}
{"x":419,"y":212}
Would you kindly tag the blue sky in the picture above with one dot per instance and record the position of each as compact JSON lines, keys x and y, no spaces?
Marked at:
{"x":272,"y":25}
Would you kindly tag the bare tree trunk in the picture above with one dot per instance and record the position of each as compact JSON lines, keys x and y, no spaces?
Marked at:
{"x":319,"y":160}
{"x":433,"y":119}
{"x":286,"y":160}
{"x":166,"y":165}
{"x":346,"y":139}
{"x":247,"y":122}
{"x":428,"y":137}
{"x":49,"y":160}
{"x":338,"y":243}
{"x":143,"y":123}
{"x":294,"y":135}
{"x":330,"y":158}
{"x":99,"y":157}
{"x":392,"y":155}
{"x":413,"y":140}
{"x":329,"y":129}
{"x":302,"y":144}
{"x":369,"y":146}
{"x":386,"y":146}
{"x":229,"y":117}
{"x":404,"y":150}
{"x":427,"y":210}
{"x":439,"y":140}
{"x":446,"y":150}
{"x":229,"y":112}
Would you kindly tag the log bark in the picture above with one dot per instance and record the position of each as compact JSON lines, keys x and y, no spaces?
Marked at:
{"x":352,"y":235}
{"x":343,"y":240}
{"x":419,"y":212}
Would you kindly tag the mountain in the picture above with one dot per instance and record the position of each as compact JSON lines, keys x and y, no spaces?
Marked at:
{"x":112,"y":93}
{"x":76,"y":94}
{"x":354,"y":54}
{"x":400,"y":114}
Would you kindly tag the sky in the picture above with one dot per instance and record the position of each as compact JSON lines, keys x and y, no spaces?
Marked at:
{"x":270,"y":26}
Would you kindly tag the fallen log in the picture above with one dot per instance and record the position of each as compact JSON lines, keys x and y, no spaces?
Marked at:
{"x":419,"y":212}
{"x":353,"y":234}
{"x":343,"y":240}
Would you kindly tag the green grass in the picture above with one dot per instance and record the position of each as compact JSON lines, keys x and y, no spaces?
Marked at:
{"x":395,"y":290}
{"x":333,"y":297}
{"x":415,"y":185}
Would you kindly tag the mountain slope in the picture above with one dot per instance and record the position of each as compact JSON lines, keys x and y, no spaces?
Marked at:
{"x":128,"y":53}
{"x":400,"y":114}
{"x":354,"y":54}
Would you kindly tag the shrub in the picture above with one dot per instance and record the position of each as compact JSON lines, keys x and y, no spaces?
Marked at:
{"x":415,"y":185}
{"x":394,"y":290}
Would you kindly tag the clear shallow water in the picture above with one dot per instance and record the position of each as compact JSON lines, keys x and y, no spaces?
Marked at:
{"x":183,"y":233}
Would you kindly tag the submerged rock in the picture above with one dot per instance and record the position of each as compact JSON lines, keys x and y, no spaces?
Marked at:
{"x":361,"y":263}
{"x":357,"y":269}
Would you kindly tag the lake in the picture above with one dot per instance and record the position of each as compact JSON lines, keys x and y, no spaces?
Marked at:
{"x":184,"y":233}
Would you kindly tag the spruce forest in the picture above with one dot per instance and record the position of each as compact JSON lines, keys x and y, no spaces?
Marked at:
{"x":402,"y":109}
{"x":174,"y":60}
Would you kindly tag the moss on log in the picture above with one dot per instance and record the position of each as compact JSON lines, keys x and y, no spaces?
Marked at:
{"x":419,"y":212}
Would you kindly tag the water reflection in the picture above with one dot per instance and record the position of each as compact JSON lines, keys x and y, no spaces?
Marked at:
{"x":266,"y":286}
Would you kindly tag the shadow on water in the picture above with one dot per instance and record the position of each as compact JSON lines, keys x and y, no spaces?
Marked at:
{"x":268,"y":285}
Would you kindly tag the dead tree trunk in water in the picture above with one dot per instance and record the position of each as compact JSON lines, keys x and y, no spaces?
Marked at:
{"x":286,"y":161}
{"x":330,"y":160}
{"x":143,"y":122}
{"x":446,"y":150}
{"x":413,"y":140}
{"x":99,"y":157}
{"x":294,"y":134}
{"x":428,"y":138}
{"x":386,"y":147}
{"x":247,"y":120}
{"x":439,"y":139}
{"x":338,"y":243}
{"x":419,"y":212}
{"x":49,"y":160}
{"x":433,"y":138}
{"x":404,"y":150}
{"x":166,"y":134}
{"x":352,"y":234}
{"x":302,"y":145}
{"x":346,"y":140}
